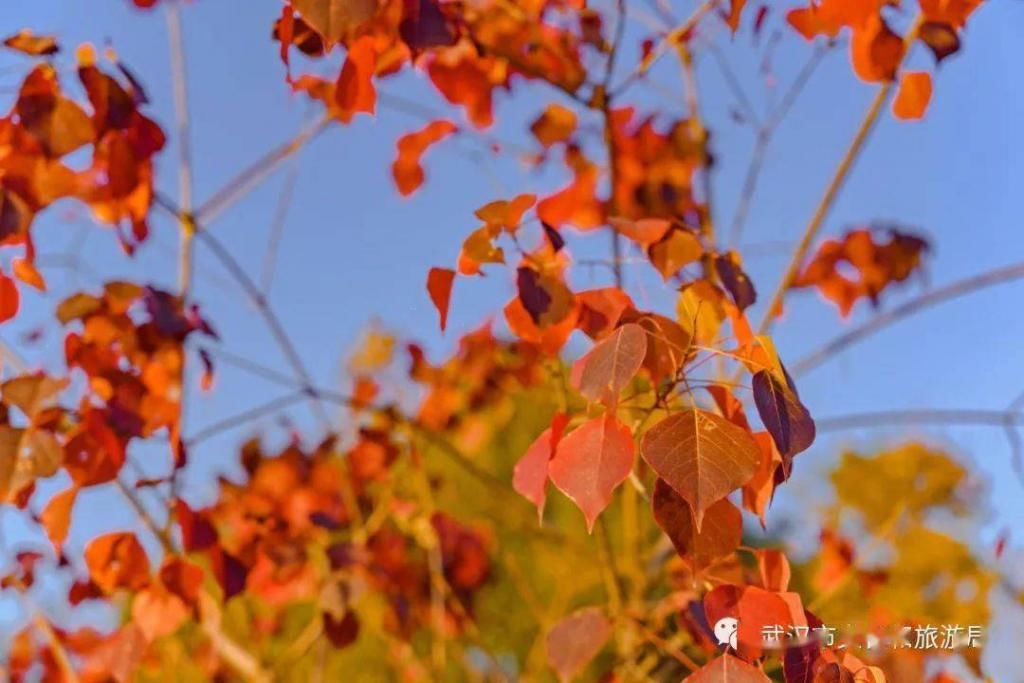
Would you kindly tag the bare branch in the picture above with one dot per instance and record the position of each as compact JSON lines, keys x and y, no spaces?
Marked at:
{"x":836,"y":184}
{"x":939,"y":416}
{"x":250,"y":177}
{"x":879,"y":322}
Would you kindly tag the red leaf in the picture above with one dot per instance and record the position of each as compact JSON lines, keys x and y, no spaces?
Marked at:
{"x":576,"y":640}
{"x":355,"y":92}
{"x":702,"y":456}
{"x":530,"y":475}
{"x":439,"y":286}
{"x":591,"y":462}
{"x":719,"y":536}
{"x":27,"y":42}
{"x":735,"y":12}
{"x":727,"y":669}
{"x":9,"y":298}
{"x":774,"y":569}
{"x":606,"y":370}
{"x":56,"y":516}
{"x":407,"y":168}
{"x":117,"y":560}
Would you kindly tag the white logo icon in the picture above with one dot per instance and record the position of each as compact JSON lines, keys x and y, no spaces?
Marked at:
{"x":726,"y":630}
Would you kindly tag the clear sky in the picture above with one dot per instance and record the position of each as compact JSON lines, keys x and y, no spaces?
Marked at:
{"x":352,"y":252}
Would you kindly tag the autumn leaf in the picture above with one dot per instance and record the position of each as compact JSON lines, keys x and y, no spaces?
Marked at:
{"x":29,"y":43}
{"x":591,"y":462}
{"x":727,"y":669}
{"x":506,"y":214}
{"x":478,"y":249}
{"x":530,"y":475}
{"x":31,"y":393}
{"x":573,"y":642}
{"x":555,"y":125}
{"x":336,"y":19}
{"x":116,"y":561}
{"x":678,"y":248}
{"x":702,"y":456}
{"x":774,"y":570}
{"x":719,"y":535}
{"x":601,"y":310}
{"x":941,"y":38}
{"x":876,"y":265}
{"x":439,"y":286}
{"x":876,"y":51}
{"x":783,"y":415}
{"x":56,"y":516}
{"x":607,"y":368}
{"x":26,"y":271}
{"x":9,"y":298}
{"x":735,"y":13}
{"x":914,"y":94}
{"x":354,"y":91}
{"x":407,"y":168}
{"x":424,"y":25}
{"x":735,"y":281}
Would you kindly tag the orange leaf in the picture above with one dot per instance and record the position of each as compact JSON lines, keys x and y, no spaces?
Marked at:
{"x":479,"y":249}
{"x":774,"y":569}
{"x":600,"y":310}
{"x":702,"y":456}
{"x":158,"y":612}
{"x":735,"y":12}
{"x":877,"y":264}
{"x":530,"y":475}
{"x":469,"y":82}
{"x":573,"y":642}
{"x":555,"y":125}
{"x":603,"y":372}
{"x":876,"y":51}
{"x":407,"y":168}
{"x":506,"y":215}
{"x":9,"y":298}
{"x":674,"y":251}
{"x":354,"y":91}
{"x":26,"y":271}
{"x":56,"y":516}
{"x":31,"y":44}
{"x":439,"y":286}
{"x":336,"y":19}
{"x":591,"y":462}
{"x":913,"y":97}
{"x":117,"y":560}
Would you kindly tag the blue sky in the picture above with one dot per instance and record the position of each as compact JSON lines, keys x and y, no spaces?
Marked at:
{"x":352,"y":253}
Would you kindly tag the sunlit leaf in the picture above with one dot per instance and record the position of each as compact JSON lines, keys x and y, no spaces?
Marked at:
{"x":573,"y":642}
{"x":702,"y":456}
{"x":591,"y":462}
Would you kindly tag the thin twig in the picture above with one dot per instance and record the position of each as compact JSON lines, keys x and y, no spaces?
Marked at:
{"x":940,"y":416}
{"x":253,"y":175}
{"x":879,"y":322}
{"x":674,"y":37}
{"x":842,"y":172}
{"x":242,"y":418}
{"x":181,"y":114}
{"x":284,"y":201}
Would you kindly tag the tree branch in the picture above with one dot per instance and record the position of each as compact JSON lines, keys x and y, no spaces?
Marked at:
{"x":835,"y":185}
{"x":253,"y":175}
{"x":879,"y":322}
